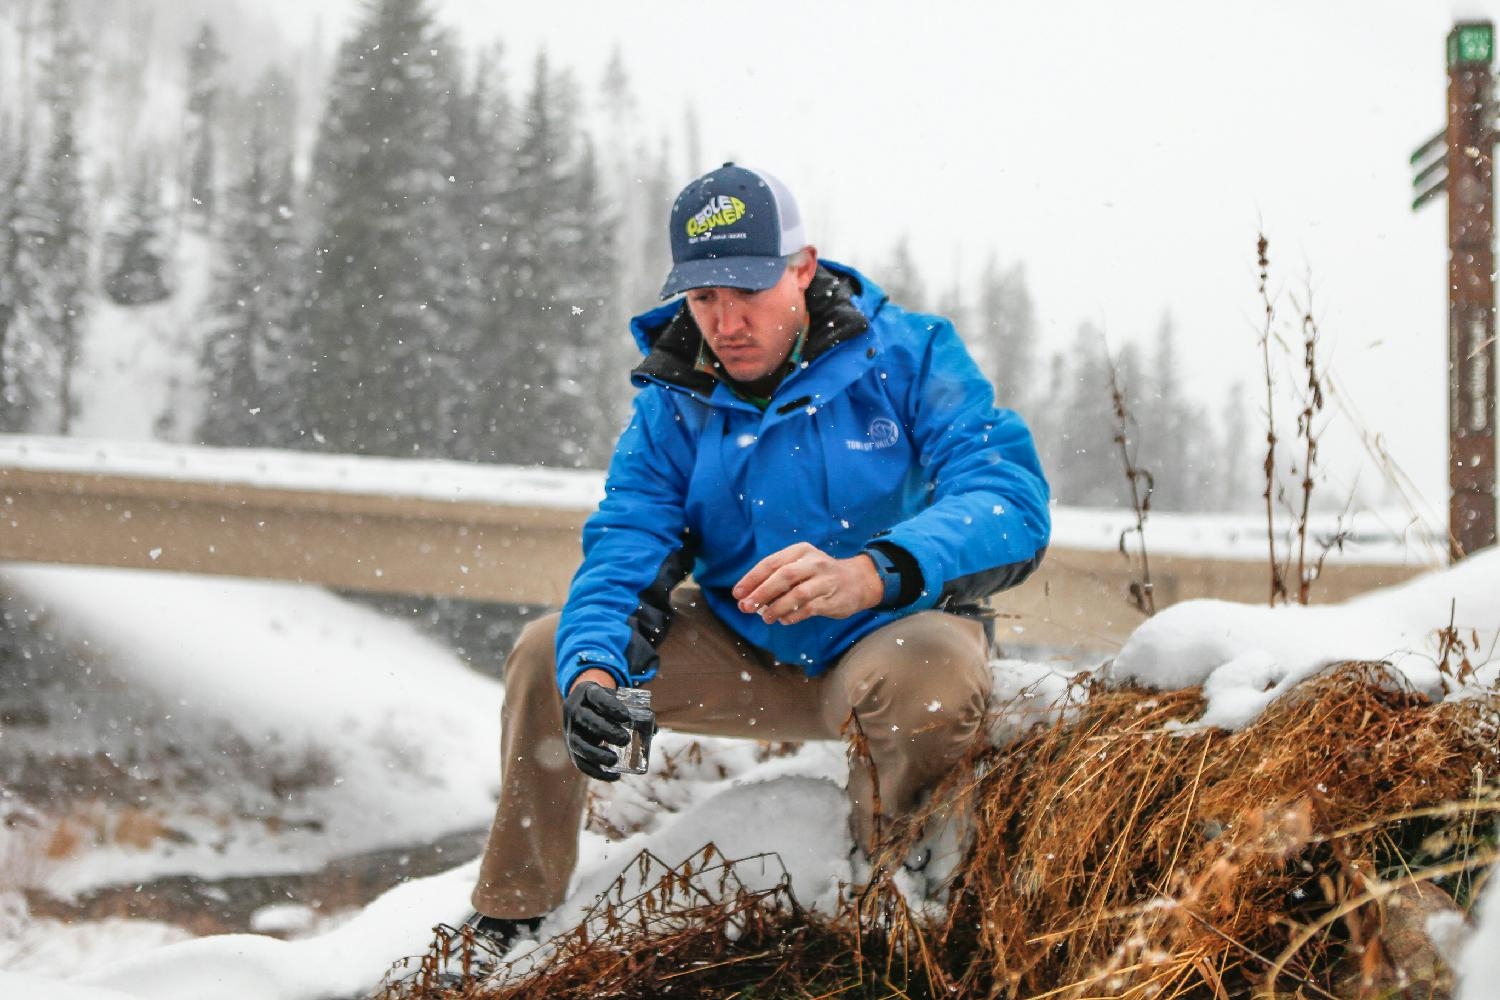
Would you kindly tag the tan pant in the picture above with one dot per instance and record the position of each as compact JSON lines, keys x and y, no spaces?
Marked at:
{"x":919,"y":686}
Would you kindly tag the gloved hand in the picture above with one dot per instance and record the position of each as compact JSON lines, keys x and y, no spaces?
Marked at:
{"x":593,"y":716}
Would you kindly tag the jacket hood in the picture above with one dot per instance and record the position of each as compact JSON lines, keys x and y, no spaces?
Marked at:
{"x":840,"y":304}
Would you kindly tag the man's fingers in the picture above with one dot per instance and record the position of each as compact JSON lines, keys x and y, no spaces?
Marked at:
{"x":826,"y":587}
{"x":780,"y":585}
{"x":800,"y":582}
{"x":761,"y":573}
{"x":798,"y":604}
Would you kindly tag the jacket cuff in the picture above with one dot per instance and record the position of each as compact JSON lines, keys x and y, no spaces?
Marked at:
{"x":577,"y":665}
{"x":900,"y":573}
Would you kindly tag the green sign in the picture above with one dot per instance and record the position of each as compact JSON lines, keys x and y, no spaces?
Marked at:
{"x":1471,"y":43}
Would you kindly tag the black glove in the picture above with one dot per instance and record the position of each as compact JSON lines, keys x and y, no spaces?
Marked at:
{"x":593,"y":716}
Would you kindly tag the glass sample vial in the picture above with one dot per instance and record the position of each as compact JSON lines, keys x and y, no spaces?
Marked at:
{"x":633,"y":757}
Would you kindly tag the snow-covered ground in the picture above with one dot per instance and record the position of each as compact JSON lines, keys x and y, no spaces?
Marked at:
{"x":392,"y":742}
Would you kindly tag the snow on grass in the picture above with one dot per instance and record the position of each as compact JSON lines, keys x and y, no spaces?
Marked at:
{"x":1245,"y":656}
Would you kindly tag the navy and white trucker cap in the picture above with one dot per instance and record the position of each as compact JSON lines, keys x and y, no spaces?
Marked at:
{"x":733,"y":228}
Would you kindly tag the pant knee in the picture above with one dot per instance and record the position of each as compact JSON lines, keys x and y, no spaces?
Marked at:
{"x":533,"y":658}
{"x":939,"y":680}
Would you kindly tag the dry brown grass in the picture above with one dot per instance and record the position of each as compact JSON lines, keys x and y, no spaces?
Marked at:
{"x":1117,"y":855}
{"x":1118,"y":859}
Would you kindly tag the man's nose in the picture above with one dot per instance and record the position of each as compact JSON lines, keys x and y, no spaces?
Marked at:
{"x":731,"y":319}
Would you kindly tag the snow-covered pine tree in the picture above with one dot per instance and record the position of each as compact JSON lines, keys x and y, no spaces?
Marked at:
{"x":256,"y":288}
{"x":1005,"y":326}
{"x":1078,"y":452}
{"x":204,"y":56}
{"x":555,"y":268}
{"x":61,"y":236}
{"x":18,"y":272}
{"x":137,"y":258}
{"x":371,"y":375}
{"x":478,"y":130}
{"x":604,"y":353}
{"x":1174,"y":434}
{"x":19,"y":276}
{"x":902,"y":279}
{"x":1234,"y":464}
{"x":636,"y":188}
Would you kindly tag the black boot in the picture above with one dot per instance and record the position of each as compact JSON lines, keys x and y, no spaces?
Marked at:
{"x":472,"y":951}
{"x":500,"y":934}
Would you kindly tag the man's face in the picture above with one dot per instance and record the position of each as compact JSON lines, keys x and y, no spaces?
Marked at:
{"x":752,"y":333}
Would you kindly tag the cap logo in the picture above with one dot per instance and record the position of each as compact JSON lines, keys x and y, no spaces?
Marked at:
{"x":725,"y":210}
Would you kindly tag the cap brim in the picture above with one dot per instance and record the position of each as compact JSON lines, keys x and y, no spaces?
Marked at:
{"x":754,"y":273}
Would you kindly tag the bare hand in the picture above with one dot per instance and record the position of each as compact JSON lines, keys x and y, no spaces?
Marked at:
{"x":802,"y":580}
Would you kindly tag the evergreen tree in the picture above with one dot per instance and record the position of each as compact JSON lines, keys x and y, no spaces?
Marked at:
{"x":656,"y":190}
{"x":605,"y":354}
{"x":552,"y":316}
{"x":1082,"y":458}
{"x":1177,"y":443}
{"x":137,"y":259}
{"x":255,"y":291}
{"x":373,"y":354}
{"x":1235,"y":465}
{"x":478,"y":127}
{"x":1005,"y":326}
{"x":19,"y":271}
{"x":19,"y":282}
{"x":1161,"y":412}
{"x":1047,"y":421}
{"x":204,"y":57}
{"x":954,"y":306}
{"x":61,"y":238}
{"x":638,"y":187}
{"x":902,"y":279}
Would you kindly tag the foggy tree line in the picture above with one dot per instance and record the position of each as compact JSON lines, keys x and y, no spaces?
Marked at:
{"x":45,"y":256}
{"x":445,"y":283}
{"x":1199,"y":461}
{"x":441,"y":276}
{"x":448,"y":270}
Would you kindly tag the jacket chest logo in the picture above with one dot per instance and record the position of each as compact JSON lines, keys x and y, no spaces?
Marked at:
{"x":883,"y":433}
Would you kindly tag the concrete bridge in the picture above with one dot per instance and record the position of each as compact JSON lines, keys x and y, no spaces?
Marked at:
{"x":508,"y":534}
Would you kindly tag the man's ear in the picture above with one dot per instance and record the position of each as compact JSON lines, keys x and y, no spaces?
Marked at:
{"x":804,"y":265}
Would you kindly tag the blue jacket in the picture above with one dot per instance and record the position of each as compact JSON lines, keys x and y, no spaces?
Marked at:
{"x":885,"y":434}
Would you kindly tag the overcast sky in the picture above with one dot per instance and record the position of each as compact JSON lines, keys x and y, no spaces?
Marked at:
{"x":1128,"y":154}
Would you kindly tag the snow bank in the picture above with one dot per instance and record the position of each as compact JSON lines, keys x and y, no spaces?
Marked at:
{"x":1246,"y":656}
{"x":395,"y":734}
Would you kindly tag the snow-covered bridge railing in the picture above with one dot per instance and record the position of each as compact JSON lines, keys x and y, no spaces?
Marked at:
{"x":502,"y":533}
{"x":488,"y":533}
